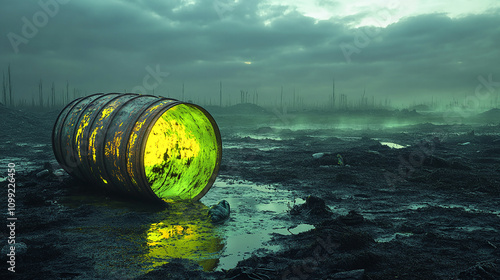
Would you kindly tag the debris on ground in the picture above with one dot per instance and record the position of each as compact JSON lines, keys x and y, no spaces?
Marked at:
{"x":220,"y":212}
{"x":313,"y":207}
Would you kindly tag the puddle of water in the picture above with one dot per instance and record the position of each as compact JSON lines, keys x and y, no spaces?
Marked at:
{"x":416,"y":206}
{"x":266,"y":149}
{"x":257,"y":211}
{"x":239,"y":247}
{"x":389,"y":238}
{"x":22,"y":164}
{"x":251,"y":146}
{"x":294,"y":230}
{"x":349,"y":138}
{"x":476,"y":228}
{"x":393,"y":145}
{"x":181,"y":231}
{"x":20,"y":144}
{"x":468,"y":208}
{"x":38,"y":145}
{"x":184,"y":231}
{"x":262,"y":137}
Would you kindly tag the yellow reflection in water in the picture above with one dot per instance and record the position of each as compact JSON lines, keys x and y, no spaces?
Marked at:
{"x":186,"y":233}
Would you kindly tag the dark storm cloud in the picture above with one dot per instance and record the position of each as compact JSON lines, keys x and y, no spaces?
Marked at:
{"x":107,"y":45}
{"x":434,"y":53}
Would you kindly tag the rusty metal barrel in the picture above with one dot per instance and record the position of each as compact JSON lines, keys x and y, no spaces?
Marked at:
{"x":139,"y":145}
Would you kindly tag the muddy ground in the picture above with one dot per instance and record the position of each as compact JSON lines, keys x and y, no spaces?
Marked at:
{"x":426,"y":209}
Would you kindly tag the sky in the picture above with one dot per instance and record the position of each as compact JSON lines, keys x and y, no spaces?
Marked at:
{"x":408,"y":51}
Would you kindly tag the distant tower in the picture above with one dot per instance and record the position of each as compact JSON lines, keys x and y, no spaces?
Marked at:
{"x":294,"y":98}
{"x":281,"y":97}
{"x":220,"y":93}
{"x":333,"y":93}
{"x":364,"y":101}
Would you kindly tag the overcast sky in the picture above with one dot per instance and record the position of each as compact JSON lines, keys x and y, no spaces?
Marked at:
{"x":399,"y":49}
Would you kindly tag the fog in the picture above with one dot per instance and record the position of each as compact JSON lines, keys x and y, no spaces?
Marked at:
{"x":292,"y":54}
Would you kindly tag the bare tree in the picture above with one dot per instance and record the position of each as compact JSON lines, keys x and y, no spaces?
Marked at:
{"x":183,"y":91}
{"x":10,"y":88}
{"x":40,"y":93}
{"x":67,"y":92}
{"x":281,"y":97}
{"x":53,"y":95}
{"x":333,"y":93}
{"x":4,"y":89}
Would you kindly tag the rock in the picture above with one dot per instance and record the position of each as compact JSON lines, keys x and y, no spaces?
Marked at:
{"x":179,"y":269}
{"x":43,"y":173}
{"x":220,"y":212}
{"x":481,"y":271}
{"x":48,"y":166}
{"x":313,"y":206}
{"x":264,"y":130}
{"x":437,"y":162}
{"x":318,"y":155}
{"x":353,"y":218}
{"x":355,"y":240}
{"x":59,"y":172}
{"x":357,"y":274}
{"x":324,"y":159}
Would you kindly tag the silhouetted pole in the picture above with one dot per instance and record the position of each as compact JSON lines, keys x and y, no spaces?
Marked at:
{"x":10,"y":88}
{"x":333,"y":93}
{"x":282,"y":97}
{"x":53,"y":95}
{"x":67,"y":92}
{"x":4,"y":89}
{"x":220,"y":94}
{"x":40,"y":93}
{"x":293,"y":97}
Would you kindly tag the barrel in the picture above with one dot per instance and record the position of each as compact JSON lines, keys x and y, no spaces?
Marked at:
{"x":144,"y":146}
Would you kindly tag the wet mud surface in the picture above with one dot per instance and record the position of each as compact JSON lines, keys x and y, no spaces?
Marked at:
{"x":307,"y":202}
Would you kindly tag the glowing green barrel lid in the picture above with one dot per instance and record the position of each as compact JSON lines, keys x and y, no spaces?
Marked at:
{"x":181,"y":153}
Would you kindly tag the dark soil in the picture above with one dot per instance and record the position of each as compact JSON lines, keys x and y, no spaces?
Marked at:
{"x":430,"y":210}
